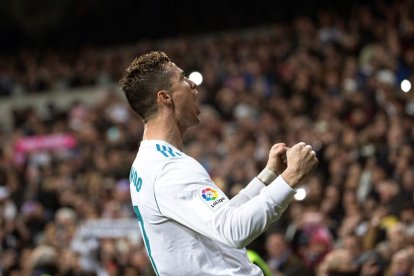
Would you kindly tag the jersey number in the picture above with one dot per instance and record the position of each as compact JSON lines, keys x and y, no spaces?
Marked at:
{"x":134,"y":178}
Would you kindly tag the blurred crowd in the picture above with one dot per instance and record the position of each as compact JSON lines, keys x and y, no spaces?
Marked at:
{"x":329,"y":81}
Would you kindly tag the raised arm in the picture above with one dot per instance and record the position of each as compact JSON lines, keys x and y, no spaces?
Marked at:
{"x":190,"y":197}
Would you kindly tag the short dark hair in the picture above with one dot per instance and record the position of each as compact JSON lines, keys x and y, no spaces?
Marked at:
{"x":141,"y":81}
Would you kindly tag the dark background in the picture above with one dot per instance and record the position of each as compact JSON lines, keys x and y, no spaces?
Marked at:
{"x":67,"y":24}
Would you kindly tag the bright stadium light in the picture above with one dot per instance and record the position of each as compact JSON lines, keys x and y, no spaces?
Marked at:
{"x":300,"y":194}
{"x":196,"y":77}
{"x":406,"y":86}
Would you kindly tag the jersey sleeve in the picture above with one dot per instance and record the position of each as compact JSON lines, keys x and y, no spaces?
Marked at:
{"x":185,"y":193}
{"x":250,"y":191}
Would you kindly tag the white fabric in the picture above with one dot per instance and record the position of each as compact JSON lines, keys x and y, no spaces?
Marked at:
{"x":186,"y":233}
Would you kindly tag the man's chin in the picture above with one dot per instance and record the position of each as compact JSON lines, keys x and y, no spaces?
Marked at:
{"x":196,"y":122}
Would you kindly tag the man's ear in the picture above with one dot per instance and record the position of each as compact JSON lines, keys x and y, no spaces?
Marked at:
{"x":165,"y":98}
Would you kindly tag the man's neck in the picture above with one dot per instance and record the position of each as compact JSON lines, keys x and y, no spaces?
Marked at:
{"x":165,"y":128}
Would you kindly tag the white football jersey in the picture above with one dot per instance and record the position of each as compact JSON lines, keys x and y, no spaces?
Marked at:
{"x":189,"y":226}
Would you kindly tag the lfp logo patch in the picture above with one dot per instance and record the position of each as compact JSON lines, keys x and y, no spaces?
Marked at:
{"x":209,"y":194}
{"x":212,"y":198}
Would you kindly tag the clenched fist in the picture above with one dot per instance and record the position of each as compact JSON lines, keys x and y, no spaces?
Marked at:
{"x":277,"y":158}
{"x":301,"y":161}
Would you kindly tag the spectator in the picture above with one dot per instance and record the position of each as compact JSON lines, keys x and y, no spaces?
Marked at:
{"x":281,"y":259}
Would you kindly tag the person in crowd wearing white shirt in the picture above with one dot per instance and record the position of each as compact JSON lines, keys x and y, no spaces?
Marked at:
{"x":189,"y":226}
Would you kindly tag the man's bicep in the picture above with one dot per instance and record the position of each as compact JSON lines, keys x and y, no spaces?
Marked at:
{"x":188,"y":197}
